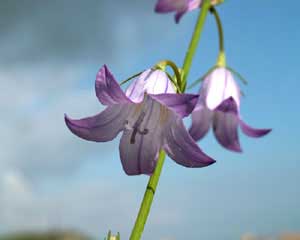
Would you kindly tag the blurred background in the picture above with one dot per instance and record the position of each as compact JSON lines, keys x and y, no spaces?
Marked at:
{"x":50,"y":180}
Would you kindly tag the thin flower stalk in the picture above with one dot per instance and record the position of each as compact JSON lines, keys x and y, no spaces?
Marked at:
{"x":194,"y":42}
{"x":149,"y":194}
{"x":147,"y":200}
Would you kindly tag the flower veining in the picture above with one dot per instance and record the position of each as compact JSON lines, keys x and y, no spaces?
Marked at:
{"x":149,"y":115}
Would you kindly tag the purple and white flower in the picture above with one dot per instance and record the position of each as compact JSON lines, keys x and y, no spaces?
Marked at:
{"x":178,"y":6}
{"x":150,"y":116}
{"x":219,"y":105}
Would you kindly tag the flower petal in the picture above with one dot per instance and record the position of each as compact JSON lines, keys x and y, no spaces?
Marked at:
{"x":193,"y":4}
{"x":180,"y":146}
{"x":181,"y":104}
{"x":150,"y":81}
{"x":253,"y":132}
{"x":179,"y":15}
{"x":225,"y":125}
{"x":179,"y":6}
{"x":229,"y":105}
{"x":107,"y":88}
{"x":136,"y":90}
{"x":164,"y":6}
{"x":158,"y":82}
{"x":139,"y":152}
{"x":102,"y":127}
{"x":201,"y":119}
{"x":218,"y":86}
{"x":139,"y":157}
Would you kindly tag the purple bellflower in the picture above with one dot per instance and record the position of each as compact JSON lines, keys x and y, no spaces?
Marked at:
{"x":178,"y":6}
{"x":219,"y":104}
{"x":150,"y":116}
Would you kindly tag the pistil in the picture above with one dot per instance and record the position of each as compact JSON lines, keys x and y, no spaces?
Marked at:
{"x":136,"y":128}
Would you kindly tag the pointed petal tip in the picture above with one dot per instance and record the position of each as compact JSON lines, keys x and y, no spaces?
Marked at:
{"x":262,"y":132}
{"x":267,"y":131}
{"x":206,"y":159}
{"x":108,"y":90}
{"x":102,"y":70}
{"x":210,"y":161}
{"x":254,"y":132}
{"x":229,"y":105}
{"x":232,"y":146}
{"x":157,"y":8}
{"x":67,"y":120}
{"x":106,"y":69}
{"x":71,"y":124}
{"x":178,"y":16}
{"x":183,"y":149}
{"x":235,"y":148}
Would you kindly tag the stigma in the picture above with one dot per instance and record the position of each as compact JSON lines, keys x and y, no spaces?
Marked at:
{"x":136,"y":127}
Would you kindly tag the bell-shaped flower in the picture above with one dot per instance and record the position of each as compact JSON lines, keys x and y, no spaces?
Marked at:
{"x":150,"y":116}
{"x":178,"y":6}
{"x":219,"y":105}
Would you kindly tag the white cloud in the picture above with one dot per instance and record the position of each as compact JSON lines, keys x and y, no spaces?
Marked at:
{"x":14,"y":185}
{"x":34,"y":136}
{"x":81,"y":206}
{"x":37,"y":147}
{"x":41,"y":76}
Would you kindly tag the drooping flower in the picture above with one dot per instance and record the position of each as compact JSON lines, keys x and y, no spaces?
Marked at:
{"x":178,"y":6}
{"x":150,"y":116}
{"x":219,"y":105}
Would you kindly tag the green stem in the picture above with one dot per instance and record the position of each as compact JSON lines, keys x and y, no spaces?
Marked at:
{"x":220,"y":28}
{"x":171,"y":64}
{"x":221,"y":60}
{"x":153,"y":181}
{"x":194,"y":42}
{"x":147,"y":200}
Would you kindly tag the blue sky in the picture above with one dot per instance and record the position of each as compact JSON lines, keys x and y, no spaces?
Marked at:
{"x":50,"y":54}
